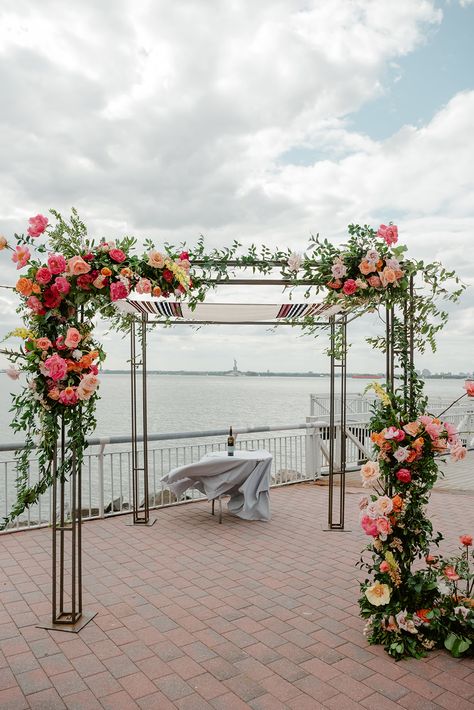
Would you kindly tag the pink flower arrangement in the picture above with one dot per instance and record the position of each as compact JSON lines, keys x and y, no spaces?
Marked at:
{"x":117,"y":255}
{"x":388,"y":233}
{"x":57,"y":264}
{"x":118,"y":290}
{"x":55,"y":367}
{"x":43,"y":276}
{"x":21,"y":256}
{"x":349,"y":287}
{"x":37,"y":225}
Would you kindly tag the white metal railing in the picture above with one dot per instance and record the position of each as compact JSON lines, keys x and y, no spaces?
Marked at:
{"x":300,"y":453}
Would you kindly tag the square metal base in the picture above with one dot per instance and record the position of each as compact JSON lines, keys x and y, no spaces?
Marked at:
{"x":336,"y":530}
{"x":150,"y":522}
{"x":86,"y":616}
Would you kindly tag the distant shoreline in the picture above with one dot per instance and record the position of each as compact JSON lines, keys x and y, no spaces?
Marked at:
{"x":249,"y":373}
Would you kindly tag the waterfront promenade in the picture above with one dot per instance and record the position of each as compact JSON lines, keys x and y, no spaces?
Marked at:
{"x":200,"y":616}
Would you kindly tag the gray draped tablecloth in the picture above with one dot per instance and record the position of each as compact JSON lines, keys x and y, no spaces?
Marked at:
{"x":245,"y":477}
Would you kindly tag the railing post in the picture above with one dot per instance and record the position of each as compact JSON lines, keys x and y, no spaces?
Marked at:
{"x":103,"y":444}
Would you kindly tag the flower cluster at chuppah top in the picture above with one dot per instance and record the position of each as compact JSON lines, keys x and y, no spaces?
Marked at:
{"x":408,"y":611}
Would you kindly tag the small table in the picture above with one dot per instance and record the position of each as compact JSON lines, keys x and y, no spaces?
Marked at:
{"x":245,"y":477}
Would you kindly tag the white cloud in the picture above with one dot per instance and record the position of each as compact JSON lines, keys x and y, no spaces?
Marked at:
{"x":172,"y":119}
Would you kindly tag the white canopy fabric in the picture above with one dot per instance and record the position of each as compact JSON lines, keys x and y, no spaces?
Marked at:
{"x":225,"y":312}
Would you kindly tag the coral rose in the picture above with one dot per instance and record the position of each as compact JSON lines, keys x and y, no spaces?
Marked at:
{"x":117,"y":255}
{"x":334,"y":284}
{"x":378,"y":594}
{"x":450,"y":573}
{"x":37,"y":225}
{"x":24,"y":286}
{"x":77,"y":266}
{"x":349,"y":287}
{"x":469,"y":387}
{"x":466,"y":540}
{"x":157,"y":291}
{"x":384,"y":566}
{"x":397,"y":503}
{"x":73,"y":338}
{"x":57,"y":264}
{"x":43,"y":343}
{"x":43,"y":276}
{"x":21,"y":256}
{"x":156,"y":259}
{"x":383,"y":528}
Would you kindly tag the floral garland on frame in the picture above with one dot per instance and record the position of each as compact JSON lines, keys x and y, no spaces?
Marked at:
{"x":72,"y":279}
{"x":410,"y":611}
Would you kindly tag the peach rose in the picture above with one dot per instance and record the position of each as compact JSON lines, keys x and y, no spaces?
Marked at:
{"x":73,"y":338}
{"x":43,"y":343}
{"x":412,"y":428}
{"x":24,"y":286}
{"x":157,"y":291}
{"x":387,"y":276}
{"x":374,"y":281}
{"x":369,"y":472}
{"x":366,"y":267}
{"x":87,"y":386}
{"x":77,"y":266}
{"x":3,"y":242}
{"x":156,"y":259}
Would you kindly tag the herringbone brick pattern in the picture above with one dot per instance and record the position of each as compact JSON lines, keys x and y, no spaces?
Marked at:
{"x":195,"y":615}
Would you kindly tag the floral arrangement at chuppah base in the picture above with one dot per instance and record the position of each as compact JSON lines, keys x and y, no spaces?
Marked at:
{"x":410,"y":610}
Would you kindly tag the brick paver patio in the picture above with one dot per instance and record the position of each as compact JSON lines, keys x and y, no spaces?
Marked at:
{"x":196,"y":615}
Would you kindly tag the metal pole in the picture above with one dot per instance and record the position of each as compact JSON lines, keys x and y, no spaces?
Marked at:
{"x":54,"y":541}
{"x":342,"y":467}
{"x":332,"y":432}
{"x":145,"y":421}
{"x":411,"y":344}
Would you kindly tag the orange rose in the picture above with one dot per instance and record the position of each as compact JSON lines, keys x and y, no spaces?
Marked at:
{"x":157,"y":291}
{"x":36,"y":288}
{"x":418,"y":443}
{"x":397,"y":503}
{"x":422,"y":614}
{"x":24,"y":286}
{"x":412,"y":428}
{"x":379,"y":264}
{"x":77,"y":266}
{"x":126,"y":272}
{"x":106,"y":271}
{"x":366,"y":268}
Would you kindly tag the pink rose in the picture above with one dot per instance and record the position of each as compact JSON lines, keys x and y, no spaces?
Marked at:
{"x":52,"y":297}
{"x":62,"y":284}
{"x":433,"y":430}
{"x":393,"y":433}
{"x":388,"y":233}
{"x":21,"y":256}
{"x":401,"y":454}
{"x":37,"y":225}
{"x":118,"y":290}
{"x":469,"y":387}
{"x":143,"y":286}
{"x":77,"y":266}
{"x":384,"y":566}
{"x":184,"y":256}
{"x":73,"y":338}
{"x":43,"y":276}
{"x":117,"y":255}
{"x":404,"y":475}
{"x":87,"y":386}
{"x":43,"y":343}
{"x":374,"y":281}
{"x":59,"y":343}
{"x":36,"y":306}
{"x":68,"y":396}
{"x":56,"y":367}
{"x":369,"y":525}
{"x":349,"y":287}
{"x":57,"y":263}
{"x":84,"y":281}
{"x":338,"y":269}
{"x":458,"y":452}
{"x":383,"y":528}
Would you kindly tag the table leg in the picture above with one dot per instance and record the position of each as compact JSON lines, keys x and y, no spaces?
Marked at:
{"x":212,"y":511}
{"x":220,"y":509}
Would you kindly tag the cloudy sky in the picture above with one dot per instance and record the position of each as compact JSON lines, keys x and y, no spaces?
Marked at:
{"x":261,"y":121}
